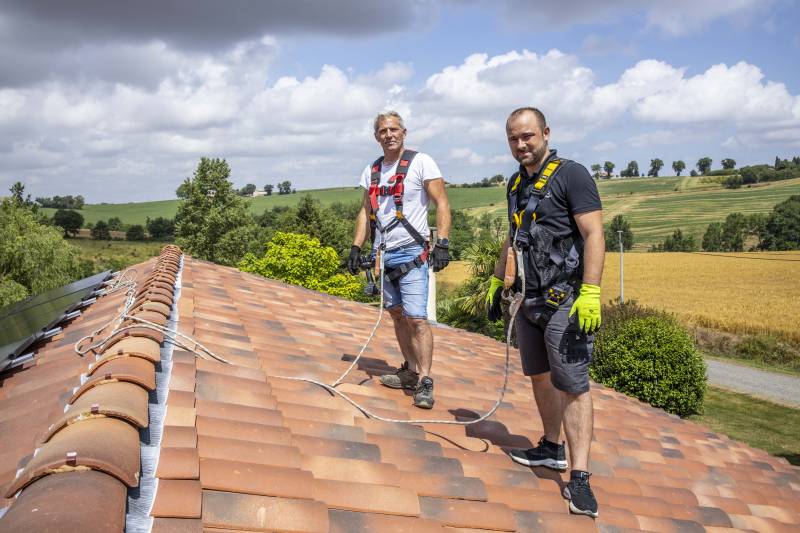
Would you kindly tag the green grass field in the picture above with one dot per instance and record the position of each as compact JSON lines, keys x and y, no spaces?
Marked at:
{"x":655,"y":207}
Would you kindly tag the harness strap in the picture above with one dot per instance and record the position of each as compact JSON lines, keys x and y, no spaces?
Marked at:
{"x":396,"y":189}
{"x":395,"y":273}
{"x":525,"y":218}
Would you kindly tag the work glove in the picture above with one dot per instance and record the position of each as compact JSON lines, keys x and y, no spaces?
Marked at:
{"x":354,"y":261}
{"x":587,"y":305}
{"x":440,"y":256}
{"x":493,"y":310}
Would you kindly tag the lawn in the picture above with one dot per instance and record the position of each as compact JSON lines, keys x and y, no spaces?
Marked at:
{"x":759,"y":423}
{"x":116,"y":255}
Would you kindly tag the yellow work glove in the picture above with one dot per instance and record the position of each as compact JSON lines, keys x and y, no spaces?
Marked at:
{"x":493,"y":309}
{"x":587,"y":305}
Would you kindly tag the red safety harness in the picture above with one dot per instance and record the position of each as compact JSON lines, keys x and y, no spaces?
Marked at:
{"x":395,"y":188}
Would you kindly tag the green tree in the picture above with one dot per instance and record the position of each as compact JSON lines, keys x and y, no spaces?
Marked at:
{"x":704,"y":165}
{"x":160,"y":228}
{"x":184,"y":189}
{"x":115,"y":224}
{"x":211,"y":210}
{"x":631,"y":171}
{"x":247,"y":190}
{"x":34,"y":257}
{"x":608,"y":166}
{"x":268,"y":189}
{"x":135,"y":233}
{"x":678,"y":167}
{"x":782,"y":228}
{"x":596,"y":168}
{"x":17,"y":191}
{"x":728,"y":164}
{"x":69,"y":220}
{"x":100,"y":231}
{"x":655,"y":166}
{"x":302,"y":260}
{"x":285,"y":187}
{"x":677,"y":242}
{"x":712,"y":239}
{"x":618,"y":223}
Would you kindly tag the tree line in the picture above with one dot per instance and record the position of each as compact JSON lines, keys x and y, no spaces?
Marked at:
{"x":632,"y":169}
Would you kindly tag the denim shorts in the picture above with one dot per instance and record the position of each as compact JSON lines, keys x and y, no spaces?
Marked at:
{"x":558,"y":347}
{"x":411,"y":290}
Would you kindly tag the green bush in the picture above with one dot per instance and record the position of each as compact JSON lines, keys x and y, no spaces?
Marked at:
{"x":301,"y":260}
{"x":645,"y":353}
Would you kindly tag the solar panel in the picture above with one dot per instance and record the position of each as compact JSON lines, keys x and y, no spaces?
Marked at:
{"x":24,"y":323}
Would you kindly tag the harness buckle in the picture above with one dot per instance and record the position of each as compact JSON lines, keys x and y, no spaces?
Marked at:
{"x":556,"y":295}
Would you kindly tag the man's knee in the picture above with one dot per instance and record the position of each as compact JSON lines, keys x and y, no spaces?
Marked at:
{"x":418,"y":325}
{"x":396,"y":312}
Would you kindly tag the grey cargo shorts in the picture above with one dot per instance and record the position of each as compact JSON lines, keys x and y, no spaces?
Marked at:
{"x":559,"y":347}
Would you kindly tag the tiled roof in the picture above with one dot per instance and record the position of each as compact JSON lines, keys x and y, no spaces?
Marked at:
{"x":243,"y":449}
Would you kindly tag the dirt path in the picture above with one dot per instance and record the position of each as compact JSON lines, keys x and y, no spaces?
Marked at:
{"x":780,"y":388}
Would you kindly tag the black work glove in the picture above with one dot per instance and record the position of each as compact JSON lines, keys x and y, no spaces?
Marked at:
{"x":440,"y":256}
{"x":354,"y":261}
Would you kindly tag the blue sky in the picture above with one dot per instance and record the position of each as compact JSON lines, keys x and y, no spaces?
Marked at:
{"x":118,"y":102}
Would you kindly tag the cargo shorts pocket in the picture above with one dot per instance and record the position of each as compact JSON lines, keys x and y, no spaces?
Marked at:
{"x":576,"y":347}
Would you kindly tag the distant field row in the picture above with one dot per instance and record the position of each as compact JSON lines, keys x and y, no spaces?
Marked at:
{"x":746,"y":293}
{"x":655,"y":207}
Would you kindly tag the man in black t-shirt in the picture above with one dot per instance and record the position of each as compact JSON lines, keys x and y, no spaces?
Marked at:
{"x":556,"y":223}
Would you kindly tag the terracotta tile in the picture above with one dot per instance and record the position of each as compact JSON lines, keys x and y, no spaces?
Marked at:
{"x":320,"y":414}
{"x":177,"y":498}
{"x":462,"y":513}
{"x":263,"y":513}
{"x":234,"y":429}
{"x":669,"y":525}
{"x":336,"y":448}
{"x":555,"y":523}
{"x":313,"y":428}
{"x":520,"y":499}
{"x":250,"y":452}
{"x":178,"y":463}
{"x":104,"y":444}
{"x":179,"y":437}
{"x":177,"y":525}
{"x":441,"y":486}
{"x":70,"y":502}
{"x":355,"y":522}
{"x":180,"y":416}
{"x":352,"y":496}
{"x":776,"y":513}
{"x":122,"y":400}
{"x":242,"y":413}
{"x":134,"y":346}
{"x":252,"y":478}
{"x":611,"y":516}
{"x":231,"y":370}
{"x":180,"y":398}
{"x":133,"y":369}
{"x":341,"y":469}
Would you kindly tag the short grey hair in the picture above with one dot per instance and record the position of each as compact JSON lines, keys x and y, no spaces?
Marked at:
{"x":387,"y":114}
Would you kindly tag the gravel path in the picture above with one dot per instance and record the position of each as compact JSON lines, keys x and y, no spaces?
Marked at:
{"x":781,"y":388}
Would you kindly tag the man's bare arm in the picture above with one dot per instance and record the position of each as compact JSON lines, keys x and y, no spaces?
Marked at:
{"x":594,"y":245}
{"x":500,"y":267}
{"x":437,"y":193}
{"x":362,"y":222}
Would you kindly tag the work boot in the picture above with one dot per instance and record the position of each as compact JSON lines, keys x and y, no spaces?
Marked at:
{"x":545,"y":453}
{"x":403,"y":378}
{"x":423,"y":394}
{"x":580,"y":495}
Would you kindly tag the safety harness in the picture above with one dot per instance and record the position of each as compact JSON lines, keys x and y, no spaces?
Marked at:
{"x":523,"y":223}
{"x":395,"y":189}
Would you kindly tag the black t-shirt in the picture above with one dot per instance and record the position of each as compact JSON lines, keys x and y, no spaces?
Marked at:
{"x":571,"y":192}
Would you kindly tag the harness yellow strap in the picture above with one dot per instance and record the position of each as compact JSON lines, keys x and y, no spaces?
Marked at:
{"x":538,"y":186}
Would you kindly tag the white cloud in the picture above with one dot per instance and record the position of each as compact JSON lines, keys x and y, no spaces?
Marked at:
{"x":466,"y":155}
{"x":604,"y":146}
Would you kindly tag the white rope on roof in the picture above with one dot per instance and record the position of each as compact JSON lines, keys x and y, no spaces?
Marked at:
{"x":204,"y":353}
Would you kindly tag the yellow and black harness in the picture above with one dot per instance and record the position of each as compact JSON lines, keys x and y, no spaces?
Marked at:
{"x":523,"y":223}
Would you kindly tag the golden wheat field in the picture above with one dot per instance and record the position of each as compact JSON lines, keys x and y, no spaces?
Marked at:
{"x":753,"y":292}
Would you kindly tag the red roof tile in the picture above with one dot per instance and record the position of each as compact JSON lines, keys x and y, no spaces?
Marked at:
{"x":277,"y":454}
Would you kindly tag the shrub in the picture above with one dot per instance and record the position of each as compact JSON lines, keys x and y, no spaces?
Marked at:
{"x":301,"y":260}
{"x":645,"y":353}
{"x":135,"y":233}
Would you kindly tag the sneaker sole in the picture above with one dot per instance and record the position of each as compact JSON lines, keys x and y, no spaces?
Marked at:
{"x":391,"y":386}
{"x":575,"y":510}
{"x":547,"y":463}
{"x":424,"y":405}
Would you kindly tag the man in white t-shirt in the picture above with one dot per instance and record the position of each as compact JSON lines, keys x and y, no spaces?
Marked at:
{"x":398,"y":188}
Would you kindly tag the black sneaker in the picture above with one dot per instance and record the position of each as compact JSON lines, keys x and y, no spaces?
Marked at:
{"x":544,"y":454}
{"x":423,"y":394}
{"x":403,"y":378}
{"x":580,"y":495}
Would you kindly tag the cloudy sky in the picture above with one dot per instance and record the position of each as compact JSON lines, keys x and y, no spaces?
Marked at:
{"x":118,"y":100}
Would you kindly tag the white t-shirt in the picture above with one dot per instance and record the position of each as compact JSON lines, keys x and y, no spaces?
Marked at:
{"x":415,"y":200}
